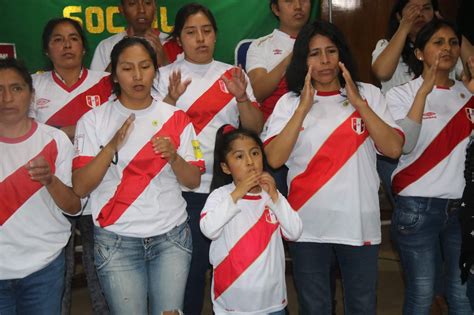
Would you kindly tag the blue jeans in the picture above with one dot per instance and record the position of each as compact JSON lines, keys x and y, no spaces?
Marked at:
{"x":194,"y":295}
{"x":141,"y":274}
{"x":85,"y":225}
{"x":426,"y":229}
{"x":39,"y":293}
{"x":311,"y":271}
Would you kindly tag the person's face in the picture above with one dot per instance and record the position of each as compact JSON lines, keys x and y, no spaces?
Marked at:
{"x":244,"y":159}
{"x":134,"y":73}
{"x":198,"y":39}
{"x":65,"y":47}
{"x":15,"y":97}
{"x":323,"y":56}
{"x":293,"y":14}
{"x":443,"y":43}
{"x":139,"y":14}
{"x":425,"y":16}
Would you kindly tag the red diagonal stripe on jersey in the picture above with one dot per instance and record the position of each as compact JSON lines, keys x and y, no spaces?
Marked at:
{"x":338,"y":148}
{"x":211,"y":102}
{"x":243,"y":254}
{"x":455,"y":131}
{"x":144,"y":166}
{"x":72,"y":111}
{"x":18,"y":187}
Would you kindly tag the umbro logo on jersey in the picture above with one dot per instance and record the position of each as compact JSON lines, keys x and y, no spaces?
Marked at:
{"x":277,"y":51}
{"x":470,"y":114}
{"x":223,"y":87}
{"x":358,"y":125}
{"x":430,"y":115}
{"x":93,"y":101}
{"x":41,"y":103}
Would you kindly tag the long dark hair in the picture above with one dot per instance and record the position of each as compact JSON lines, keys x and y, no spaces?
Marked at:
{"x":296,"y":72}
{"x":408,"y":55}
{"x":225,"y":136}
{"x":424,"y":36}
{"x":20,"y":68}
{"x":117,"y":51}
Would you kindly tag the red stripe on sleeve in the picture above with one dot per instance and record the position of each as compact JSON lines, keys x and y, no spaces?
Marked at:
{"x":211,"y":102}
{"x":201,"y":164}
{"x":455,"y":131}
{"x":140,"y":171}
{"x":81,"y":161}
{"x":243,"y":254}
{"x":18,"y":187}
{"x":338,"y":148}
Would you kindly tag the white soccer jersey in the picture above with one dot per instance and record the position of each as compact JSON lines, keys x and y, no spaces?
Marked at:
{"x":57,"y":105}
{"x":139,"y":195}
{"x":435,"y":166}
{"x":247,"y":252}
{"x":207,"y":102}
{"x":267,"y":52}
{"x":33,"y":230}
{"x":402,"y":73}
{"x":332,"y":177}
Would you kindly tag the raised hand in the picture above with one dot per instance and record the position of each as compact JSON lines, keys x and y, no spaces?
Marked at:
{"x":429,"y":77}
{"x":176,"y":87}
{"x":353,"y":94}
{"x":267,"y":182}
{"x":165,"y":148}
{"x":155,"y":42}
{"x":307,"y":94}
{"x":40,"y":171}
{"x":410,"y":13}
{"x":120,"y":136}
{"x":237,"y":84}
{"x":244,"y":186}
{"x":468,"y":78}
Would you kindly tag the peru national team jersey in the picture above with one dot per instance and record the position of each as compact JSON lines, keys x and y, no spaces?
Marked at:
{"x":267,"y":52}
{"x":435,"y":166}
{"x":247,"y":252}
{"x":207,"y":102}
{"x":57,"y":105}
{"x":139,"y":195}
{"x":33,"y":230}
{"x":332,"y":177}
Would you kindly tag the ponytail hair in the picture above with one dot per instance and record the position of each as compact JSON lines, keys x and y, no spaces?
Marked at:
{"x":225,"y":136}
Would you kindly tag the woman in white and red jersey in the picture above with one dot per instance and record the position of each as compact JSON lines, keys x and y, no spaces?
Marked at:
{"x":246,"y":217}
{"x":327,"y":130}
{"x":437,"y":115}
{"x":212,"y":93}
{"x":132,"y":155}
{"x":35,"y":175}
{"x":62,"y":96}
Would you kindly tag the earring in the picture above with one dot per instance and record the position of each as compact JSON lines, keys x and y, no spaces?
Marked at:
{"x":420,"y":58}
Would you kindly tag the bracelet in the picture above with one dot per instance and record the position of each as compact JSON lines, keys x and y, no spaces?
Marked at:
{"x":243,"y":101}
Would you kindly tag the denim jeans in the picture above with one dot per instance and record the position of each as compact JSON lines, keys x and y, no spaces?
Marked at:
{"x":38,"y":293}
{"x":311,"y":271}
{"x":85,"y":225}
{"x":143,"y":275}
{"x":426,"y":229}
{"x":470,"y":290}
{"x":194,"y":295}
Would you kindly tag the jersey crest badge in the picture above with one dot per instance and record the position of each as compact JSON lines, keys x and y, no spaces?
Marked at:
{"x":197,"y":149}
{"x":223,"y":87}
{"x":470,"y":114}
{"x":269,"y":216}
{"x":358,"y":125}
{"x":93,"y":101}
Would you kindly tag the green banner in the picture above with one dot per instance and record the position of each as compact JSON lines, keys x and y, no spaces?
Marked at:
{"x":22,"y":23}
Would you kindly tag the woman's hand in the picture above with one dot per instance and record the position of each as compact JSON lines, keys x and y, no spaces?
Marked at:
{"x":307,"y":94}
{"x":429,"y":78}
{"x":468,"y":78}
{"x":353,"y":94}
{"x":176,"y":87}
{"x":267,"y":182}
{"x":153,"y":38}
{"x":237,"y":84}
{"x":119,"y":138}
{"x":410,"y":13}
{"x":40,"y":171}
{"x":165,"y":148}
{"x":244,"y":186}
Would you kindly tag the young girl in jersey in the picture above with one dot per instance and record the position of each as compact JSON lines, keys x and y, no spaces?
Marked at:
{"x":35,"y":180}
{"x":429,"y":177}
{"x":132,"y":156}
{"x":327,"y":131}
{"x":212,"y":93}
{"x":245,"y":217}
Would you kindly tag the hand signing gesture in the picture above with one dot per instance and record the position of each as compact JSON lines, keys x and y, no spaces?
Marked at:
{"x":468,"y":78}
{"x":353,"y":94}
{"x":244,"y":186}
{"x":120,"y":136}
{"x":40,"y":171}
{"x":307,"y":94}
{"x":152,"y":37}
{"x":176,"y":87}
{"x":237,"y":84}
{"x":429,"y":78}
{"x":267,"y":182}
{"x":165,"y":148}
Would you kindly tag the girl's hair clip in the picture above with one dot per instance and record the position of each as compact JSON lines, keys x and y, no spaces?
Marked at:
{"x":227,"y":129}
